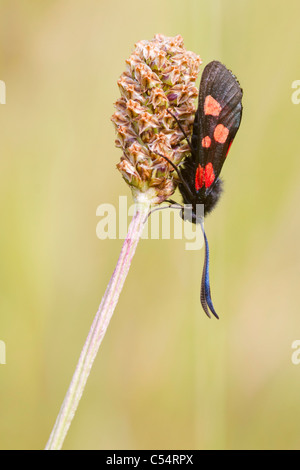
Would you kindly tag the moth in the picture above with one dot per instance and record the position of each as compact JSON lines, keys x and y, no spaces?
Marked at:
{"x":216,"y":123}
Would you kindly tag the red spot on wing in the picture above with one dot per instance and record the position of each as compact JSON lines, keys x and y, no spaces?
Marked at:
{"x":221,"y":133}
{"x":204,"y":176}
{"x":211,"y":106}
{"x":199,"y":178}
{"x":209,"y":175}
{"x":206,"y":142}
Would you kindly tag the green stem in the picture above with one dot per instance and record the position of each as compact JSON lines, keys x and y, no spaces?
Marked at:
{"x":98,"y":330}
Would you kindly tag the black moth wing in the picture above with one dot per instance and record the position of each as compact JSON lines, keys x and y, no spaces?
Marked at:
{"x":221,"y":85}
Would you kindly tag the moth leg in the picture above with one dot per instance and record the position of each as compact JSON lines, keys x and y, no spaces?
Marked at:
{"x":174,"y":205}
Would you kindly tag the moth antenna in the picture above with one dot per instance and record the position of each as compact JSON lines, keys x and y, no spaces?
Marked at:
{"x":181,"y":128}
{"x":205,"y":295}
{"x":178,"y":171}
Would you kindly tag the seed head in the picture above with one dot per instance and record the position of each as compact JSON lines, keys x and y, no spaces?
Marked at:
{"x":160,"y":76}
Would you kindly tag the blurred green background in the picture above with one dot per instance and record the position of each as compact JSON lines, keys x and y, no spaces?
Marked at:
{"x":166,"y":377}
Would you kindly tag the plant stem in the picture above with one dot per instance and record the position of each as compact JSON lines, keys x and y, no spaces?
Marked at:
{"x":98,"y":329}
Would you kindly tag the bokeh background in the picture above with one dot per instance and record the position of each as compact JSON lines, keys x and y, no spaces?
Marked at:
{"x":166,"y":377}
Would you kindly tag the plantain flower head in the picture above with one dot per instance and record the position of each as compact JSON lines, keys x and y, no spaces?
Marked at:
{"x":157,"y":87}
